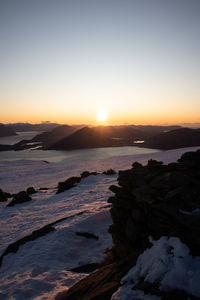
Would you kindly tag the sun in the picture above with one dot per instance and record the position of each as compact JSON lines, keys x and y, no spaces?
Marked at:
{"x":102,"y":115}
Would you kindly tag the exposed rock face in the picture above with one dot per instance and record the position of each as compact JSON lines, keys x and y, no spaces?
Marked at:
{"x":151,"y":200}
{"x":99,"y":285}
{"x":157,"y":200}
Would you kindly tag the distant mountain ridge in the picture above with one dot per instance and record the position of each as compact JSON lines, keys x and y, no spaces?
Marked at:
{"x":179,"y":138}
{"x":51,"y":137}
{"x":6,"y":131}
{"x":95,"y":137}
{"x":32,"y":127}
{"x":106,"y":136}
{"x":67,"y":137}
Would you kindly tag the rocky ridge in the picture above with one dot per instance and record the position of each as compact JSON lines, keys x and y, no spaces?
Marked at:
{"x":153,"y":200}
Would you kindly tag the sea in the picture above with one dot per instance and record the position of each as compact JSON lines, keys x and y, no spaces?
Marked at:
{"x":64,"y":156}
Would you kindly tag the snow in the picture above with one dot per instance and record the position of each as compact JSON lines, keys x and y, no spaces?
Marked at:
{"x":18,"y":175}
{"x":168,"y":263}
{"x":46,"y":207}
{"x":40,"y":268}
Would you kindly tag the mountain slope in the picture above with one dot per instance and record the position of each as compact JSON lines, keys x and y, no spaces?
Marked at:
{"x":101,"y":136}
{"x":6,"y":131}
{"x":180,"y":138}
{"x":51,"y":137}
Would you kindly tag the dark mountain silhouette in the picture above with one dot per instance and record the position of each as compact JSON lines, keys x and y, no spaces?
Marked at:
{"x":6,"y":131}
{"x":179,"y":138}
{"x":33,"y":127}
{"x":151,"y":130}
{"x":51,"y":137}
{"x":101,"y":136}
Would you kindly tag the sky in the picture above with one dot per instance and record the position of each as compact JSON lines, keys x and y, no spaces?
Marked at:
{"x":64,"y":61}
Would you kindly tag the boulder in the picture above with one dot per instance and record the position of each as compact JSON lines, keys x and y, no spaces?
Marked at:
{"x":109,"y":172}
{"x":31,"y":190}
{"x":19,"y":198}
{"x":67,"y":184}
{"x":4,"y":196}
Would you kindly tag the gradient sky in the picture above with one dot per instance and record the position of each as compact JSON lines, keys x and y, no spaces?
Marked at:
{"x":65,"y":60}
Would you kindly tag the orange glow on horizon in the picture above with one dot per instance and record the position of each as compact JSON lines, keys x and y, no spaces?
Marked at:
{"x":114,"y":119}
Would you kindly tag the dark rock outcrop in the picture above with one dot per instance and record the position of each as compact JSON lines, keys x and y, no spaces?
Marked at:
{"x":19,"y":198}
{"x":4,"y":196}
{"x":67,"y":184}
{"x":149,"y":201}
{"x":109,"y":172}
{"x":99,"y":285}
{"x":157,"y":200}
{"x":87,"y":235}
{"x":88,"y":268}
{"x":31,"y":190}
{"x":87,"y":173}
{"x":13,"y":248}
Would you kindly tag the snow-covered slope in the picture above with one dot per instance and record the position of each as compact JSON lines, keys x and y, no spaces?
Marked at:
{"x":18,"y":175}
{"x":40,"y":268}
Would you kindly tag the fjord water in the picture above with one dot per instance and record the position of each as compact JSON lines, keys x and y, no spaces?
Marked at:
{"x":65,"y":156}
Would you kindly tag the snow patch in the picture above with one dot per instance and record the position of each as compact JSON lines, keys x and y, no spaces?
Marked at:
{"x":168,"y":262}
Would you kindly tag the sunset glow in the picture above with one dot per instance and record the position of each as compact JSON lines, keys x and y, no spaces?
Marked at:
{"x":102,"y":116}
{"x":61,"y":60}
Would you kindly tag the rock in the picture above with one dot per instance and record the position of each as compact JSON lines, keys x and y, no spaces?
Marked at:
{"x":152,"y":200}
{"x":31,"y":190}
{"x":191,"y":159}
{"x":87,"y":235}
{"x":137,"y":165}
{"x":109,"y":172}
{"x":88,"y":268}
{"x":137,"y":215}
{"x":13,"y":247}
{"x":87,"y":173}
{"x":149,"y":201}
{"x":130,"y":230}
{"x":19,"y":198}
{"x":68,"y":184}
{"x":154,"y":163}
{"x":4,"y":196}
{"x":101,"y":284}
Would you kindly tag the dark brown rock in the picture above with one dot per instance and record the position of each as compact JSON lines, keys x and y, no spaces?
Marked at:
{"x":19,"y":198}
{"x":100,"y":284}
{"x":4,"y":196}
{"x":88,"y":268}
{"x":68,"y":184}
{"x":31,"y":190}
{"x":109,"y":172}
{"x":87,"y":235}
